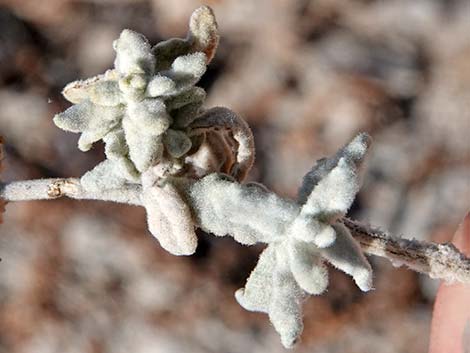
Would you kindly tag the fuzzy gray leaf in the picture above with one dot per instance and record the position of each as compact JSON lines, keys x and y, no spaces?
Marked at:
{"x":346,"y":255}
{"x":161,"y":86}
{"x":203,"y":33}
{"x":149,"y":115}
{"x":78,"y":91}
{"x":167,"y":51}
{"x":169,"y":219}
{"x":92,"y":120}
{"x":105,"y":93}
{"x":177,"y":143}
{"x":272,"y":289}
{"x":133,"y":54}
{"x":311,"y":230}
{"x":145,"y":150}
{"x":307,"y":267}
{"x":285,"y":310}
{"x":116,"y":150}
{"x":335,"y":182}
{"x":256,"y":296}
{"x":190,"y":96}
{"x":105,"y":175}
{"x":228,"y":208}
{"x":187,"y":70}
{"x":185,"y":115}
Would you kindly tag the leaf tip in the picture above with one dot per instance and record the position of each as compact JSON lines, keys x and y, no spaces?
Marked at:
{"x":203,"y":31}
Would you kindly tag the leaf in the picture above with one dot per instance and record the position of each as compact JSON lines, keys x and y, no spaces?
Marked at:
{"x":101,"y":89}
{"x":117,"y":151}
{"x":149,"y":115}
{"x":272,"y":289}
{"x":249,"y":214}
{"x":133,"y":54}
{"x":256,"y":296}
{"x":167,"y":51}
{"x":334,"y":182}
{"x":285,"y":310}
{"x":191,"y":95}
{"x":203,"y":33}
{"x":176,"y":142}
{"x":169,"y":219}
{"x":186,"y":114}
{"x":77,"y":118}
{"x":161,"y":86}
{"x":104,"y":176}
{"x":308,"y":229}
{"x":144,"y":125}
{"x":92,"y":120}
{"x":105,"y":93}
{"x":307,"y":267}
{"x":346,"y":255}
{"x":202,"y":37}
{"x":186,"y":70}
{"x":145,"y":150}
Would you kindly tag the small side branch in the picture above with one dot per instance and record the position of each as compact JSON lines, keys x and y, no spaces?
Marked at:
{"x":440,"y":261}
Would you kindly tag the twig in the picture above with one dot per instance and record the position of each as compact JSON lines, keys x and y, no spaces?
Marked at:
{"x":440,"y":261}
{"x":49,"y":189}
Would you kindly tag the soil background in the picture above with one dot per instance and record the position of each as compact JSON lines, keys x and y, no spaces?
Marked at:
{"x":307,"y":76}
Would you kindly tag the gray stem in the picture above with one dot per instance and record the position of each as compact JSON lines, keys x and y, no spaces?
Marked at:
{"x":440,"y":261}
{"x":48,"y":189}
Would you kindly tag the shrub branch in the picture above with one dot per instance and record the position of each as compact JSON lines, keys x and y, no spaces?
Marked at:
{"x":439,"y":261}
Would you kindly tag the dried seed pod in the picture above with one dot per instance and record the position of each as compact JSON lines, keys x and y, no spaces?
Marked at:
{"x":220,"y":118}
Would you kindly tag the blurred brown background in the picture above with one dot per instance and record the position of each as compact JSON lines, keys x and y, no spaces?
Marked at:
{"x":307,"y":75}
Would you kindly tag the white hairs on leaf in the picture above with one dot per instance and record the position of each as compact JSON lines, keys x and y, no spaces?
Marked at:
{"x":169,"y":219}
{"x":133,"y":54}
